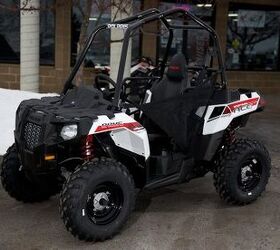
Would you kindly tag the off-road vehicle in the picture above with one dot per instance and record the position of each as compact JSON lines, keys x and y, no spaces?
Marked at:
{"x":177,"y":124}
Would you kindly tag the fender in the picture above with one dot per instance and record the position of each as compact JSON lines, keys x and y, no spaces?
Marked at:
{"x":229,"y":111}
{"x":125,"y":132}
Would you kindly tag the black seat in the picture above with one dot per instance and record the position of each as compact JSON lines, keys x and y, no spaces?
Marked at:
{"x":171,"y":113}
{"x":172,"y":85}
{"x":174,"y":82}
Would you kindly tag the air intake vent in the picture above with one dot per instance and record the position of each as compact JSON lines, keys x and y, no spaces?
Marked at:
{"x":32,"y":134}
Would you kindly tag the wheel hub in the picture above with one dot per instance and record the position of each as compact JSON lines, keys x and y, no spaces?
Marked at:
{"x":104,"y":203}
{"x":101,"y":201}
{"x":250,"y":174}
{"x":246,"y":173}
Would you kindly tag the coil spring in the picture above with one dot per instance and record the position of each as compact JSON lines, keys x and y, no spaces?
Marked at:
{"x":87,"y":149}
{"x":230,"y":136}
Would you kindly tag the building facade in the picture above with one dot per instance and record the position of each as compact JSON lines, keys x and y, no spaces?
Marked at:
{"x":249,"y":31}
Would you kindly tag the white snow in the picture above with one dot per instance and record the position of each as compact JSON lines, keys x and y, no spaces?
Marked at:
{"x":9,"y":101}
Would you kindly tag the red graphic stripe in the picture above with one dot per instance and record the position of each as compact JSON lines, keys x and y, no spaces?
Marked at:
{"x":133,"y":126}
{"x":231,"y":107}
{"x":227,"y":110}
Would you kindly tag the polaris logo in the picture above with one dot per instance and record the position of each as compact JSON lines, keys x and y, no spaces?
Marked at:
{"x":111,"y":124}
{"x":117,"y":26}
{"x":133,"y":126}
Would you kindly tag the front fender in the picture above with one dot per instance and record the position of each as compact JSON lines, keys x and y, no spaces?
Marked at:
{"x":125,"y":132}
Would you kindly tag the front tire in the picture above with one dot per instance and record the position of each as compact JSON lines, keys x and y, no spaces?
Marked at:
{"x":97,"y":200}
{"x":18,"y":186}
{"x":242,"y":172}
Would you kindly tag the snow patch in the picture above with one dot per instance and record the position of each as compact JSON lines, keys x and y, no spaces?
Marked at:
{"x":9,"y":101}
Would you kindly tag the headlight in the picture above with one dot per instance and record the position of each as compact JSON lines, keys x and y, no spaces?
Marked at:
{"x":69,"y":132}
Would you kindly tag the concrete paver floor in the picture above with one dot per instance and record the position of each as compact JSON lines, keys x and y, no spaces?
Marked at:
{"x":186,"y":216}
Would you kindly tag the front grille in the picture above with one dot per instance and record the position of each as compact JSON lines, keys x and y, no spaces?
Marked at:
{"x":32,"y":134}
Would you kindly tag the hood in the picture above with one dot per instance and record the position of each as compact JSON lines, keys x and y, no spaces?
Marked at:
{"x":81,"y":105}
{"x":78,"y":103}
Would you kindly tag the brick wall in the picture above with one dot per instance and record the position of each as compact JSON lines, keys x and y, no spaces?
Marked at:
{"x":9,"y":76}
{"x":264,"y":82}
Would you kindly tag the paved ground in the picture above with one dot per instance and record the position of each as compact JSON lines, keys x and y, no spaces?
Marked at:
{"x":187,"y":216}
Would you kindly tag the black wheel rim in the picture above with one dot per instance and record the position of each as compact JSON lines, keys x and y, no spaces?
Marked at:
{"x":250,"y":174}
{"x":104,"y":203}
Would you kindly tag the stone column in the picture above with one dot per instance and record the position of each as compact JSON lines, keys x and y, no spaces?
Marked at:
{"x":29,"y":45}
{"x":221,"y":22}
{"x":116,"y":47}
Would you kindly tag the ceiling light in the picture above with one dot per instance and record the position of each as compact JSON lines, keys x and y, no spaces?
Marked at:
{"x":233,"y":14}
{"x":206,"y":5}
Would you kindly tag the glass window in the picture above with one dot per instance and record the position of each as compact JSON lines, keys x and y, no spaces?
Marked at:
{"x":47,"y":32}
{"x":192,"y":43}
{"x":10,"y":32}
{"x":253,"y":38}
{"x":136,"y":39}
{"x":100,"y":54}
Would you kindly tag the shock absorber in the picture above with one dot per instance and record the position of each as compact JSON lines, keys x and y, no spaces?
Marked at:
{"x":230,"y":136}
{"x":87,"y":148}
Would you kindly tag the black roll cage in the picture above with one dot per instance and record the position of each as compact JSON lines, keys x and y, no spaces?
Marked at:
{"x":133,"y":23}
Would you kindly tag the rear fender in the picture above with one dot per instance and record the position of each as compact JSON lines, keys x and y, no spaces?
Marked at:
{"x":219,"y":117}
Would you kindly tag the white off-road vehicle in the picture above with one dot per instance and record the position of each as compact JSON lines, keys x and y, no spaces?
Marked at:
{"x":167,"y":125}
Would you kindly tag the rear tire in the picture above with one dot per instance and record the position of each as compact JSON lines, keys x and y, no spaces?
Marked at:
{"x":242,"y":172}
{"x":17,"y":185}
{"x":97,"y":200}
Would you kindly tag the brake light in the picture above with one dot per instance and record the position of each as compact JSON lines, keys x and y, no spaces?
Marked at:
{"x":262,"y":103}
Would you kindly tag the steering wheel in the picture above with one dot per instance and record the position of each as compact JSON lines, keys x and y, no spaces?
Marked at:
{"x":204,"y":78}
{"x":102,"y":83}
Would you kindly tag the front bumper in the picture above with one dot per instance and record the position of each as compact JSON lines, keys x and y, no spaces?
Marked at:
{"x":34,"y":161}
{"x":39,"y":124}
{"x":36,"y":137}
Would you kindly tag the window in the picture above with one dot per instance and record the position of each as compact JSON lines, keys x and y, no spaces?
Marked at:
{"x":253,"y":38}
{"x":10,"y":32}
{"x":192,"y":43}
{"x":99,"y":54}
{"x":47,"y":32}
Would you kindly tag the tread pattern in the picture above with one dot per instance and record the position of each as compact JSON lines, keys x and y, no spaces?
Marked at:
{"x":71,"y":193}
{"x":17,"y":185}
{"x":226,"y":163}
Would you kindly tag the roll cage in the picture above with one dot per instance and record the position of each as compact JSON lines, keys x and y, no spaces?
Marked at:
{"x":136,"y":21}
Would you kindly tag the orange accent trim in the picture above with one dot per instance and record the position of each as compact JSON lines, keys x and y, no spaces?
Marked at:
{"x":49,"y":157}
